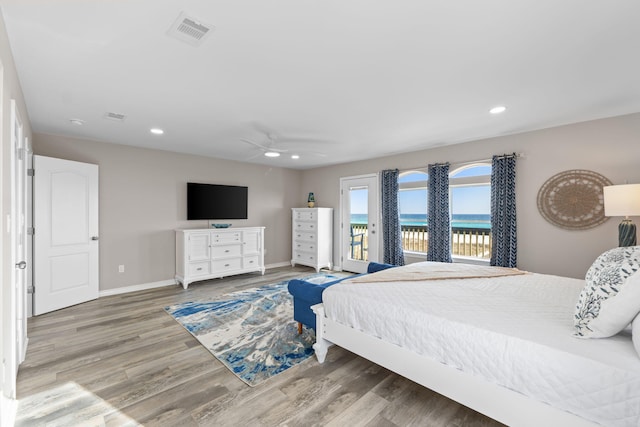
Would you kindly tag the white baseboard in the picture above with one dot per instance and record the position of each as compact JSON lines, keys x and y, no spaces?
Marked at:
{"x":8,"y":410}
{"x":136,"y":288}
{"x":162,"y":283}
{"x":278,"y":264}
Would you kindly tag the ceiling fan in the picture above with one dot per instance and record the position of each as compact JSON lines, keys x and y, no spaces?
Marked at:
{"x":267,"y":148}
{"x":271,"y":147}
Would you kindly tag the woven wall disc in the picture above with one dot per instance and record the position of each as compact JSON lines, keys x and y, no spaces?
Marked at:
{"x":573,"y":199}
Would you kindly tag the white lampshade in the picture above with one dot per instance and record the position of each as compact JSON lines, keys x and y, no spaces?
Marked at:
{"x":622,"y":200}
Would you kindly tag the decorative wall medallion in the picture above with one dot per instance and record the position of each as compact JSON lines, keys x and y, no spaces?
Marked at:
{"x":573,"y":199}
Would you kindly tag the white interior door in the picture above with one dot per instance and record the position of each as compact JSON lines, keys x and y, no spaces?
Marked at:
{"x":360,"y":217}
{"x":16,"y":333}
{"x":66,"y":233}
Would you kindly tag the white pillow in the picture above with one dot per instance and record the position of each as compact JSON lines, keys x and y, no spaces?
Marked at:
{"x":610,"y":299}
{"x":635,"y":333}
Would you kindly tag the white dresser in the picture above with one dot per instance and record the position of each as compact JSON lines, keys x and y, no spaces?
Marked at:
{"x":312,"y":237}
{"x":209,"y":253}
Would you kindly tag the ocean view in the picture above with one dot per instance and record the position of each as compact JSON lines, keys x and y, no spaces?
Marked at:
{"x":460,"y":221}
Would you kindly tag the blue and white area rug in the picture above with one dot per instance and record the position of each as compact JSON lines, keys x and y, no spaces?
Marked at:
{"x":252,"y":332}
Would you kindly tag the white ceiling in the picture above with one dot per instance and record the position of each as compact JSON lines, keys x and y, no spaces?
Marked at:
{"x":331,"y":80}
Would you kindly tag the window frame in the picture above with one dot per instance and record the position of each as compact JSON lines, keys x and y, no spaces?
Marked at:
{"x":414,"y":185}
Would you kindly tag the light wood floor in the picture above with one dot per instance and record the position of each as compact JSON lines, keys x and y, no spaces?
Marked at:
{"x":121,"y":360}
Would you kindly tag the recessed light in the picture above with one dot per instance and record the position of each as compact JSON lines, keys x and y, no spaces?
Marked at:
{"x":156,"y":131}
{"x":272,"y":154}
{"x":295,"y":156}
{"x":76,"y":122}
{"x":498,"y":109}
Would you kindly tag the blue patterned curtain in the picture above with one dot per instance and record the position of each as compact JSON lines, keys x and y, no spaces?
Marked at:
{"x":503,"y":211}
{"x":391,"y":232}
{"x":438,"y":224}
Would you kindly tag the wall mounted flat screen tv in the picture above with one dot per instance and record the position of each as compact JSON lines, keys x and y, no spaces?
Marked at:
{"x":211,"y":201}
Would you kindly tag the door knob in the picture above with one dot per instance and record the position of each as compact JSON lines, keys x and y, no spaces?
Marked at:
{"x":21,"y":265}
{"x":94,"y":238}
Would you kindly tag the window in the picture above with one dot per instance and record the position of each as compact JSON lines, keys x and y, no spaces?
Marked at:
{"x":470,"y":207}
{"x":412,"y":199}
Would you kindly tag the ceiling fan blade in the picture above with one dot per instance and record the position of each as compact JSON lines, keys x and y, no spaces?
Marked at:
{"x":255,"y":144}
{"x":264,"y":147}
{"x":305,"y":140}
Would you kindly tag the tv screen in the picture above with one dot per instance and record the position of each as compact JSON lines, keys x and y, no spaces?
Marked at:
{"x":210,"y":201}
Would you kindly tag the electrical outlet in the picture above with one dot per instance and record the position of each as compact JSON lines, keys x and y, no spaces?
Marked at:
{"x":121,"y":269}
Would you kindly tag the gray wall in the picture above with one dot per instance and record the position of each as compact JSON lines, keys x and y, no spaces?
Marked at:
{"x":143,"y":199}
{"x":610,"y":147}
{"x":142,"y":194}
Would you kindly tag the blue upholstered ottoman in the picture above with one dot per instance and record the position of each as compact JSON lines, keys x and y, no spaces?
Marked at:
{"x":306,"y":294}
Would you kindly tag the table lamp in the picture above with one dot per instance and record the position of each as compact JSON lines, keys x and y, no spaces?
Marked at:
{"x":623,"y":200}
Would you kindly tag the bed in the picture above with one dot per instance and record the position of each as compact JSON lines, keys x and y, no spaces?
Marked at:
{"x":501,"y":345}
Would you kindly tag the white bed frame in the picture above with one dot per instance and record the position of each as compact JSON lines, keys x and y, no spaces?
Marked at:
{"x":502,"y":404}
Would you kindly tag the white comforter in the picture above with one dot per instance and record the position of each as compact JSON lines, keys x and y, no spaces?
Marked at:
{"x":515,"y":331}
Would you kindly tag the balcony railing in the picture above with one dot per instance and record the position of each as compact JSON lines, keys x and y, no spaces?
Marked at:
{"x":465,"y":241}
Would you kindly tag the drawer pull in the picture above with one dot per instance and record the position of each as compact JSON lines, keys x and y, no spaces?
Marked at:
{"x":251,"y":262}
{"x":227,"y":251}
{"x":227,"y":265}
{"x":199,"y":269}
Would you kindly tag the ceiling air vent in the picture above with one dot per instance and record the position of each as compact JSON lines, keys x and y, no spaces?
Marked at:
{"x":189,"y":30}
{"x":116,"y":117}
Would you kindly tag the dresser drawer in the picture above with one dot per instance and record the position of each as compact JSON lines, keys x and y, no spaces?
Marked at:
{"x":304,"y":215}
{"x":251,"y":262}
{"x":304,"y":257}
{"x":222,"y":265}
{"x":306,"y":226}
{"x":304,"y":246}
{"x":222,"y":238}
{"x":304,"y":237}
{"x":198,"y":268}
{"x":225,"y":251}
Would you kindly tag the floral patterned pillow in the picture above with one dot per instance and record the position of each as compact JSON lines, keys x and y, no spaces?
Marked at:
{"x":610,"y":299}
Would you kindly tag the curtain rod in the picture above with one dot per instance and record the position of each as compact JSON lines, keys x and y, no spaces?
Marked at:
{"x":502,"y":156}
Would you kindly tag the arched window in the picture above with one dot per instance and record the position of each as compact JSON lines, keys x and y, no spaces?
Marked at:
{"x":470,"y":207}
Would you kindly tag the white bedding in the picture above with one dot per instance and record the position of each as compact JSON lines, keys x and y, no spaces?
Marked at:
{"x":515,"y":331}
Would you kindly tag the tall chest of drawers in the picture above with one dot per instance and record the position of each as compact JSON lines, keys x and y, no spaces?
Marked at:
{"x":312,"y":236}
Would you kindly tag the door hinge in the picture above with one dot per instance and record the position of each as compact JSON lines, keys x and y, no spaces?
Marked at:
{"x":31,"y":231}
{"x":31,"y":172}
{"x":31,"y":289}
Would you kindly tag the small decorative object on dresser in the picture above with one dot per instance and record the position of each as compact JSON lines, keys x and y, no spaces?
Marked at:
{"x":203,"y":254}
{"x":312,"y":237}
{"x":311,"y":200}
